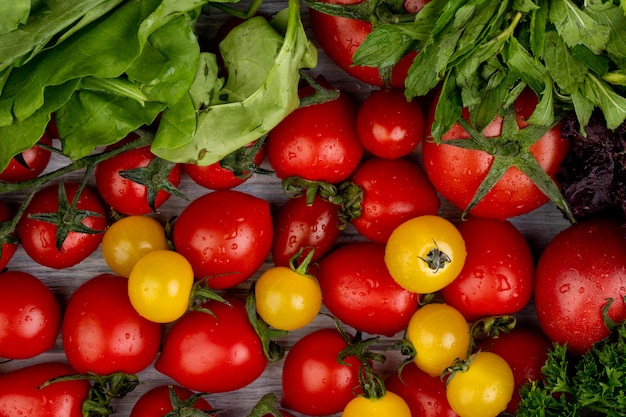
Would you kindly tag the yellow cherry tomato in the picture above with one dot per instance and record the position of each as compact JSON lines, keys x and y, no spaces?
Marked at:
{"x":287,"y":299}
{"x":129,"y":239}
{"x":484,"y":389}
{"x":440,"y":335}
{"x":389,"y":405}
{"x":160,"y":285}
{"x":424,"y":254}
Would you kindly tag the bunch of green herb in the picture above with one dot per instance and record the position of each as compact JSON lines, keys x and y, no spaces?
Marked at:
{"x":592,"y":385}
{"x":482,"y":53}
{"x":104,"y":68}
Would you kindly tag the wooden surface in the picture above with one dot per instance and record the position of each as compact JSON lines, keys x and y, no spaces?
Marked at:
{"x":538,"y":227}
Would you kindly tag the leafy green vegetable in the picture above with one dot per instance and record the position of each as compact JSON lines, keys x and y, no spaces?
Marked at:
{"x":262,"y":88}
{"x":571,"y":53}
{"x":593,"y":385}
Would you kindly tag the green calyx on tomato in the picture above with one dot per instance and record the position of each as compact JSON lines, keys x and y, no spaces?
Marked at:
{"x":104,"y":389}
{"x":510,"y":149}
{"x":266,"y":406}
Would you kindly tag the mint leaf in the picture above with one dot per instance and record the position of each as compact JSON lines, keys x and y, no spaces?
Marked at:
{"x":576,"y":27}
{"x":521,"y":63}
{"x":613,"y":17}
{"x":384,"y":46}
{"x":612,"y":104}
{"x":566,"y":71}
{"x":537,"y":27}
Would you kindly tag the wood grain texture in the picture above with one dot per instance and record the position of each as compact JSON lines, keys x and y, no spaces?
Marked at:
{"x":538,"y":227}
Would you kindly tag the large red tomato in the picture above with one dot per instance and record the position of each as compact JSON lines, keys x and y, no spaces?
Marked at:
{"x":226,"y":235}
{"x":101,"y":331}
{"x":457,"y":173}
{"x":358,"y":289}
{"x":217,"y":352}
{"x":157,"y":402}
{"x":579,"y":270}
{"x":499,"y":270}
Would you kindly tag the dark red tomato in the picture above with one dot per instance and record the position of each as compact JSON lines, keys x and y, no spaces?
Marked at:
{"x":358,"y":289}
{"x":318,"y":142}
{"x":314,"y":382}
{"x":582,"y":267}
{"x":8,"y":246}
{"x":219,"y":177}
{"x":157,"y":402}
{"x":30,"y":316}
{"x":340,"y":38}
{"x":21,"y":396}
{"x":424,"y":394}
{"x":101,"y":331}
{"x":457,"y":173}
{"x":394,"y":190}
{"x":209,"y":353}
{"x":302,"y":226}
{"x":389,"y":126}
{"x":131,"y":196}
{"x":525,"y":349}
{"x":33,"y":162}
{"x":226,"y":235}
{"x":38,"y":237}
{"x":499,"y":270}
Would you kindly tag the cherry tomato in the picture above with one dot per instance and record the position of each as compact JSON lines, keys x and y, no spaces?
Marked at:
{"x":221,"y":175}
{"x":457,"y":172}
{"x":300,"y":226}
{"x":389,"y":125}
{"x":157,"y":402}
{"x":217,"y":352}
{"x":318,"y":142}
{"x":101,"y":331}
{"x":287,"y":298}
{"x":484,"y":389}
{"x":359,"y":291}
{"x":20,"y":394}
{"x":314,"y":382}
{"x":30,"y":316}
{"x":30,"y":163}
{"x":425,"y":253}
{"x":226,"y":235}
{"x":579,"y":270}
{"x":389,"y":405}
{"x":9,"y":243}
{"x":151,"y":177}
{"x":159,"y":286}
{"x":393,"y":191}
{"x":129,"y":239}
{"x":525,"y":349}
{"x":499,"y":271}
{"x":440,"y":335}
{"x":38,"y":237}
{"x":340,"y":37}
{"x":424,"y":394}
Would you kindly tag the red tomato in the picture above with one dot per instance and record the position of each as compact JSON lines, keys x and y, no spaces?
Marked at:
{"x":213,"y":354}
{"x":101,"y":331}
{"x":225,"y":235}
{"x":424,"y":394}
{"x":340,"y":37}
{"x":582,"y":267}
{"x":157,"y":402}
{"x":219,"y":176}
{"x":29,"y":164}
{"x":313,"y":381}
{"x":38,"y":236}
{"x":30,"y":316}
{"x":9,"y":242}
{"x":133,"y":197}
{"x":389,"y":126}
{"x":299,"y":225}
{"x":457,"y":173}
{"x":394,"y":190}
{"x":358,"y":289}
{"x":318,"y":142}
{"x":526,"y":350}
{"x":499,"y":270}
{"x":21,"y":396}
